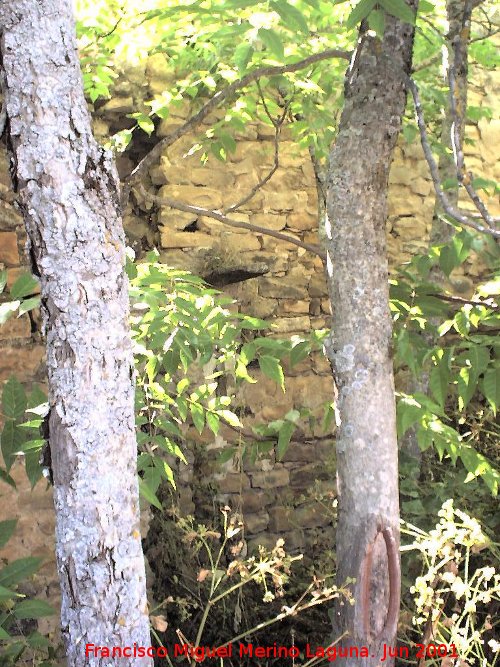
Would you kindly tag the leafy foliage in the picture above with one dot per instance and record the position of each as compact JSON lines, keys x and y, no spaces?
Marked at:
{"x":20,"y":437}
{"x":191,"y":348}
{"x":463,"y":367}
{"x":22,"y":293}
{"x":15,"y":607}
{"x":192,"y":351}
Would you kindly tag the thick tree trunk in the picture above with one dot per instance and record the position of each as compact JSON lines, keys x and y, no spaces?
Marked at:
{"x":69,"y":194}
{"x":360,"y":345}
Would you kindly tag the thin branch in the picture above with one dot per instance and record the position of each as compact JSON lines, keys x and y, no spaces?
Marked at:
{"x":463,"y":177}
{"x":431,"y":26}
{"x":462,"y":301}
{"x":448,"y":208}
{"x":239,"y":224}
{"x":219,"y":97}
{"x":319,"y":174}
{"x":487,"y":35}
{"x":428,"y":62}
{"x":110,"y":32}
{"x":277,"y":124}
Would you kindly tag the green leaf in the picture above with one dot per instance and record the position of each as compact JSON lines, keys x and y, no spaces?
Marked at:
{"x":447,"y":260}
{"x":466,"y":384}
{"x":198,"y":415}
{"x":461,"y":323}
{"x":439,"y":380}
{"x":299,"y":352}
{"x":328,"y":416}
{"x":14,"y":399}
{"x":273,"y":42}
{"x":230,"y":417}
{"x":29,"y":304}
{"x":410,"y":132}
{"x":6,"y":530}
{"x":165,"y":470}
{"x":424,"y":6}
{"x":33,"y":467}
{"x":182,"y":385}
{"x":6,"y":310}
{"x":271,"y":367}
{"x":148,"y":494}
{"x":242,"y":55}
{"x":146,"y":124}
{"x":24,"y":285}
{"x":4,"y":476}
{"x":291,"y":16}
{"x":19,"y":570}
{"x":7,"y":594}
{"x":408,"y":413}
{"x":33,"y":609}
{"x":360,"y":12}
{"x":32,"y":445}
{"x":241,"y":372}
{"x":3,"y":280}
{"x":213,"y":422}
{"x":399,"y":9}
{"x":182,"y":407}
{"x":228,"y":142}
{"x":12,"y":439}
{"x":285,"y":434}
{"x":376,"y":21}
{"x":226,"y":455}
{"x":491,"y":387}
{"x":37,"y":640}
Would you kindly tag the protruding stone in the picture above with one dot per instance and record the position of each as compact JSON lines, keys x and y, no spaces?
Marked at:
{"x":279,"y":519}
{"x":256,"y":523}
{"x":281,"y":289}
{"x":232,"y":482}
{"x":271,"y":479}
{"x":173,"y":239}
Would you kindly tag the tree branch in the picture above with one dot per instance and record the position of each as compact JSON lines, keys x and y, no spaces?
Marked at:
{"x":219,"y":97}
{"x":428,"y":62}
{"x":464,"y":178}
{"x":217,"y":215}
{"x":448,"y":208}
{"x":472,"y":302}
{"x":277,"y":124}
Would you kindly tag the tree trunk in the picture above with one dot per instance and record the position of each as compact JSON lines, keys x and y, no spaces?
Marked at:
{"x":68,"y":191}
{"x":360,"y":344}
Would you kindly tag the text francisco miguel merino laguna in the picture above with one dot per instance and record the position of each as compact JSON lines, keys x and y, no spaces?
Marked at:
{"x":201,"y":653}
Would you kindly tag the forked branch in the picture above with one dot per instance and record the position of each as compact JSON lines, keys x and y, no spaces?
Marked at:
{"x":456,"y":214}
{"x":192,"y":123}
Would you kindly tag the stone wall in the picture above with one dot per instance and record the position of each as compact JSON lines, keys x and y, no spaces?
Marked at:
{"x":292,"y":498}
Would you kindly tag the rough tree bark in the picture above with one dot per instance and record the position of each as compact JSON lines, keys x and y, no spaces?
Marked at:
{"x":360,"y":345}
{"x":68,"y":192}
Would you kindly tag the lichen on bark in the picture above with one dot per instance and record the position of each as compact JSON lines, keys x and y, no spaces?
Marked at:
{"x":68,"y":191}
{"x":360,"y":345}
